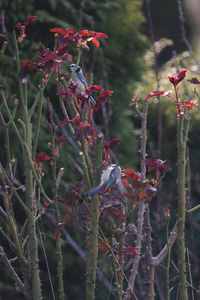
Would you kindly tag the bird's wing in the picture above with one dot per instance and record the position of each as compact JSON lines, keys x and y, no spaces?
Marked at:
{"x":92,"y":100}
{"x":111,"y":179}
{"x":81,"y":78}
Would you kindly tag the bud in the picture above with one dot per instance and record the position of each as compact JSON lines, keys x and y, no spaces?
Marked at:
{"x":167,"y":212}
{"x":16,"y":100}
{"x":150,"y":191}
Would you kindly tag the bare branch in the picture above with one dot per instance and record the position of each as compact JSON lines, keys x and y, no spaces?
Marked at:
{"x":12,"y":271}
{"x":159,"y":258}
{"x":183,"y":32}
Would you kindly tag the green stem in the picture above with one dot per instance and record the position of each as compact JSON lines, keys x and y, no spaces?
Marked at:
{"x":3,"y":48}
{"x":36,"y":176}
{"x":27,"y":211}
{"x":13,"y":226}
{"x":93,"y":235}
{"x":181,"y":145}
{"x":189,"y":211}
{"x":38,"y":120}
{"x":168,"y":259}
{"x":57,"y":216}
{"x":10,"y":117}
{"x":7,"y":143}
{"x":33,"y":241}
{"x":21,"y":96}
{"x":87,"y":160}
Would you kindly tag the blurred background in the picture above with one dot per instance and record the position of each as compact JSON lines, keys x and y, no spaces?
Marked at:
{"x":147,"y":43}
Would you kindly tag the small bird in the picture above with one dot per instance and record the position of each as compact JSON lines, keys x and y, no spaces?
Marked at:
{"x":78,"y":78}
{"x":111,"y":175}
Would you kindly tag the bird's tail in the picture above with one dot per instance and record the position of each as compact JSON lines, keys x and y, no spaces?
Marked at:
{"x":92,"y":100}
{"x":97,"y":189}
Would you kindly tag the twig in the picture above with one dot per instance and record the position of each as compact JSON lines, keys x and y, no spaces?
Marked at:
{"x":156,"y":260}
{"x":183,"y":32}
{"x":190,"y":273}
{"x":13,"y":272}
{"x":47,"y":264}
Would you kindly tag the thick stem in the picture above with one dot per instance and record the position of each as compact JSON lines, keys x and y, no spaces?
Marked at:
{"x":168,"y":259}
{"x":31,"y":203}
{"x":93,"y":236}
{"x":181,"y":145}
{"x":57,"y":216}
{"x":33,"y":241}
{"x":149,"y":292}
{"x":141,"y":209}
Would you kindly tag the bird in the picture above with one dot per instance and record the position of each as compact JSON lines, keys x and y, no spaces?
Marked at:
{"x":111,"y":175}
{"x":78,"y":78}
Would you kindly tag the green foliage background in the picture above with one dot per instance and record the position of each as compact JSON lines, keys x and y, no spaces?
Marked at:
{"x":118,"y":65}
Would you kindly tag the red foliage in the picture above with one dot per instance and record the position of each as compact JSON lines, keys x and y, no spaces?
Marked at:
{"x":22,"y":28}
{"x":175,"y":80}
{"x":108,"y":147}
{"x":194,"y":80}
{"x":154,"y":93}
{"x":58,"y":231}
{"x":190,"y":104}
{"x":40,"y":157}
{"x":158,"y":163}
{"x":130,"y":173}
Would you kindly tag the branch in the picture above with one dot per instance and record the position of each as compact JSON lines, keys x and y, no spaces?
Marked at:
{"x":12,"y":271}
{"x":183,"y":32}
{"x":141,"y":204}
{"x":156,"y":260}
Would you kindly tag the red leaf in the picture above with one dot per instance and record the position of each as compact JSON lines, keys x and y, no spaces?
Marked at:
{"x":194,"y":80}
{"x":66,"y":121}
{"x":118,"y":214}
{"x":61,"y":139}
{"x":39,"y":157}
{"x":93,"y":88}
{"x":101,"y":35}
{"x":125,"y":182}
{"x":181,"y":75}
{"x":58,"y":30}
{"x":190,"y":104}
{"x":175,"y":80}
{"x":102,"y":98}
{"x":58,"y":231}
{"x":95,"y":42}
{"x":130,"y":173}
{"x":112,"y":144}
{"x":29,"y":20}
{"x":154,"y":93}
{"x":130,"y":250}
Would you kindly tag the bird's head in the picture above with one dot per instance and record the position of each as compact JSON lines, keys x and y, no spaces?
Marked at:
{"x":73,"y":66}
